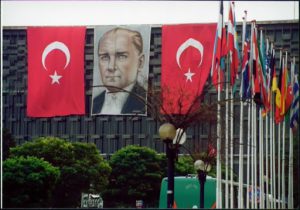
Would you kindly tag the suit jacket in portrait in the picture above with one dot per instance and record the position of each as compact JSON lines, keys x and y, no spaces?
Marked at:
{"x":132,"y":104}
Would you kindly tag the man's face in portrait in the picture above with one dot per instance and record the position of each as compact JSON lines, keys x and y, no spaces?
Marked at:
{"x":119,"y":59}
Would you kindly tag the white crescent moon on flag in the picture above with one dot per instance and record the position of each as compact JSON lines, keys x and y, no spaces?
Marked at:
{"x":53,"y":46}
{"x":189,"y":43}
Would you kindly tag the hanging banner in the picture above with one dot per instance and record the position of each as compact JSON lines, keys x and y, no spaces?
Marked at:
{"x":121,"y":66}
{"x":187,"y":51}
{"x":55,"y":71}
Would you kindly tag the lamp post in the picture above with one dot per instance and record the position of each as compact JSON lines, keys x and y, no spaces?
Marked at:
{"x":202,"y":169}
{"x":172,"y":138}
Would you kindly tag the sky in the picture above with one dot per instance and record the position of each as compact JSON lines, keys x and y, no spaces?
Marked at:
{"x":57,"y":13}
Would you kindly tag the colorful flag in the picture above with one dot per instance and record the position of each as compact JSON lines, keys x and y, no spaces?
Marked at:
{"x":276,"y":88}
{"x":286,"y":90}
{"x":245,"y":83}
{"x":270,"y":63}
{"x":232,"y":45}
{"x":263,"y":75}
{"x":55,"y":71}
{"x":255,"y":66}
{"x":260,"y":94}
{"x":283,"y":88}
{"x":245,"y":90}
{"x":272,"y":69}
{"x":295,"y":105}
{"x":186,"y":62}
{"x":219,"y":53}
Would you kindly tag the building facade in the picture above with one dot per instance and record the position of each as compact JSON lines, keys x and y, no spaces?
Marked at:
{"x":110,"y":133}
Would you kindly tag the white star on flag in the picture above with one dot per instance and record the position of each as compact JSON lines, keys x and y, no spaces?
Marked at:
{"x":55,"y":78}
{"x":189,"y":75}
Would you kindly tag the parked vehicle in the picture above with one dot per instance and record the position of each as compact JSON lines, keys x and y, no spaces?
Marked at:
{"x":187,"y":192}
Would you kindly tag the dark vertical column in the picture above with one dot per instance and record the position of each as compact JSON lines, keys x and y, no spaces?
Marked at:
{"x":170,"y":191}
{"x":202,"y":179}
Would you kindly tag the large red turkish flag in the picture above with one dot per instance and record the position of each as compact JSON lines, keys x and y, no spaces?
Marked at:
{"x":55,"y":71}
{"x":186,"y":61}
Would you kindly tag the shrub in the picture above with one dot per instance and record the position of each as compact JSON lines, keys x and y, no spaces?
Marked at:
{"x":136,"y":175}
{"x":80,"y":165}
{"x":28,"y":182}
{"x":8,"y":142}
{"x":184,"y":166}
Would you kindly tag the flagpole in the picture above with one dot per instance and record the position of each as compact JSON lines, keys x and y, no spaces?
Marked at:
{"x":283,"y":167}
{"x":290,"y":186}
{"x":255,"y":141}
{"x":274,"y":163}
{"x":248,"y":126}
{"x":279,"y":165}
{"x":291,"y":154}
{"x":241,"y":156}
{"x":273,"y":174}
{"x":283,"y":150}
{"x":267,"y":121}
{"x":268,"y":49}
{"x":252,"y":119}
{"x":216,"y":68}
{"x":219,"y":198}
{"x":265,"y":130}
{"x":261,"y":141}
{"x":244,"y":31}
{"x":255,"y":156}
{"x":231,"y":150}
{"x":272,"y":157}
{"x":252,"y":154}
{"x":232,"y":61}
{"x":272,"y":142}
{"x":262,"y":189}
{"x":226,"y":140}
{"x":270,"y":201}
{"x":248,"y":156}
{"x":272,"y":131}
{"x":279,"y":149}
{"x":261,"y":138}
{"x":219,"y":169}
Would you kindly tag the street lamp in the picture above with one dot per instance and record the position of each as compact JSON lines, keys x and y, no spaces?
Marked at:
{"x":202,"y":168}
{"x":172,"y":138}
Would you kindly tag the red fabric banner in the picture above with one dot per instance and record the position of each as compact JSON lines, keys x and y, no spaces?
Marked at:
{"x":186,"y":61}
{"x":55,"y":71}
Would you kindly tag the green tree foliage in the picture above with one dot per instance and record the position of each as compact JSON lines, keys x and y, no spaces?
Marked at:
{"x":8,"y":141}
{"x":136,"y":175}
{"x":184,"y":166}
{"x":28,"y":182}
{"x":80,"y":165}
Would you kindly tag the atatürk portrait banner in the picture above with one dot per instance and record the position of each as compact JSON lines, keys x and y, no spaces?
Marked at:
{"x":121,"y":67}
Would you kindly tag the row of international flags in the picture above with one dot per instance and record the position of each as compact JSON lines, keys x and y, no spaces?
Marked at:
{"x":258,"y":78}
{"x":274,"y":95}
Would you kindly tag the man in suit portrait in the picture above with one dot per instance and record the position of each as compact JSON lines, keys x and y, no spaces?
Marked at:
{"x":120,"y":60}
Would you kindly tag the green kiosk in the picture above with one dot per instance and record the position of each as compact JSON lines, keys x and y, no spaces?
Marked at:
{"x":187,"y":192}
